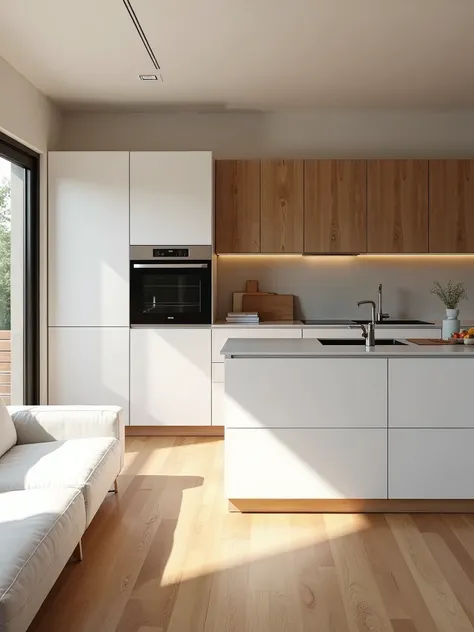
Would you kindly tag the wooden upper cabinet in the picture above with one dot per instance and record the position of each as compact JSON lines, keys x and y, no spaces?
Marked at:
{"x":335,"y":206}
{"x":282,"y":206}
{"x":397,"y":209}
{"x":237,"y":205}
{"x":452,"y":206}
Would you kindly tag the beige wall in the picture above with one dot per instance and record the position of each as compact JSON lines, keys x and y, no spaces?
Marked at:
{"x":29,"y":117}
{"x":25,"y":113}
{"x":324,"y":133}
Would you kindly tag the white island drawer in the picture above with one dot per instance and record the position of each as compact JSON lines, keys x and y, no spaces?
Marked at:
{"x":306,"y":392}
{"x":431,"y":392}
{"x":432,"y":464}
{"x":309,"y":464}
{"x":220,"y":336}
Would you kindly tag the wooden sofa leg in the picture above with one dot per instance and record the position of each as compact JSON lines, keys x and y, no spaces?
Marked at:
{"x":116,"y":486}
{"x":77,"y":554}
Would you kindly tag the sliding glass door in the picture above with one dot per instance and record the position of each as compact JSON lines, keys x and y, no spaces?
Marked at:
{"x":19,"y":299}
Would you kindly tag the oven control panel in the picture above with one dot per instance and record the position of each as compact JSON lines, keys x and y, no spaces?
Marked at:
{"x":171,"y":252}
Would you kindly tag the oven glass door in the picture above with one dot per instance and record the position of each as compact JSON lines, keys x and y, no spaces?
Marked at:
{"x":170,"y":292}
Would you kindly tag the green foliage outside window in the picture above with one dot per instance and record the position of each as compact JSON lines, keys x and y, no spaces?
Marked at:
{"x":5,"y":250}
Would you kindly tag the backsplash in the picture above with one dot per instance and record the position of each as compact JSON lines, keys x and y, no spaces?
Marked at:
{"x":329,"y":287}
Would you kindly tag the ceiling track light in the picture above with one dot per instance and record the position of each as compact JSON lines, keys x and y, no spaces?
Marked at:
{"x":142,"y":35}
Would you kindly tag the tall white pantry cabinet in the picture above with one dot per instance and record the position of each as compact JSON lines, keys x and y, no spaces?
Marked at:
{"x":99,"y":204}
{"x":88,"y":285}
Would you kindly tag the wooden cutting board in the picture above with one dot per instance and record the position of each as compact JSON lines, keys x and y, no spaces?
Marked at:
{"x":269,"y":306}
{"x":237,"y":298}
{"x":430,"y":341}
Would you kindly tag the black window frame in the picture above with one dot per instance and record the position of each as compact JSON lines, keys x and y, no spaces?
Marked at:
{"x":25,"y":157}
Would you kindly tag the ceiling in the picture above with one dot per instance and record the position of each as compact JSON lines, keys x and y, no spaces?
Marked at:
{"x":216,"y":55}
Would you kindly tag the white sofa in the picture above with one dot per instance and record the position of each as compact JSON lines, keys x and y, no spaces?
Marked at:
{"x":57,"y":464}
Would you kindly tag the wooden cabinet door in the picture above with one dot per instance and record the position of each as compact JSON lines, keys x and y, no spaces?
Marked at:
{"x":282,"y":206}
{"x":451,"y":205}
{"x":335,"y":206}
{"x":397,"y":210}
{"x":237,"y":205}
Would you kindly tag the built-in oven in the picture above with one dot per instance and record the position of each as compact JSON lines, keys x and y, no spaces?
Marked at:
{"x":170,"y":285}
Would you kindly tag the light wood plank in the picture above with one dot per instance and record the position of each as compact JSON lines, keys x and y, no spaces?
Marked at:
{"x":360,"y":594}
{"x":237,"y":203}
{"x":335,"y":206}
{"x":282,"y":206}
{"x":451,"y":206}
{"x":397,"y":206}
{"x":444,"y":607}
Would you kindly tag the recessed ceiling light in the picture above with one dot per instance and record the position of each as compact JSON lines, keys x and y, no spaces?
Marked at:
{"x":148,"y":77}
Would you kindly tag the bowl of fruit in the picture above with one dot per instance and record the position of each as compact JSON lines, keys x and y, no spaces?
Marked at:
{"x":465,"y":336}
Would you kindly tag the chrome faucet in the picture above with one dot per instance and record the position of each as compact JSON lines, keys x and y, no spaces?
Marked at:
{"x":380,"y":313}
{"x":368,"y":332}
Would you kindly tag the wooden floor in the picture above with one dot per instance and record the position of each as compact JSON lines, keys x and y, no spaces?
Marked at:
{"x":166,"y":556}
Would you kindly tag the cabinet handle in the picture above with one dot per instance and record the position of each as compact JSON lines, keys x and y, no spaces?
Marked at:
{"x":150,"y":266}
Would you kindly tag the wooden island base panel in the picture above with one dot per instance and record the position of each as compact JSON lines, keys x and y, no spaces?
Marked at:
{"x":265,"y":505}
{"x":174,"y":431}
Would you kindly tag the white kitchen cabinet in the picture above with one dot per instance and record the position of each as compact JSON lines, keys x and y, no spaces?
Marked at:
{"x":170,"y":380}
{"x":430,"y":392}
{"x":218,"y":394}
{"x":285,"y":463}
{"x":431,"y":463}
{"x":88,"y":237}
{"x":380,"y":332}
{"x":89,"y":366}
{"x":306,"y":393}
{"x":218,"y":398}
{"x":171,"y":198}
{"x":220,"y":335}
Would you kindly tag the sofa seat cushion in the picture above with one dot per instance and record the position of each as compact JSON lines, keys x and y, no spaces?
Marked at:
{"x":39,"y":530}
{"x":90,"y":465}
{"x":8,"y":435}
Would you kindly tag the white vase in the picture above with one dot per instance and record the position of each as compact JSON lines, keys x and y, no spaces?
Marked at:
{"x":451,"y":324}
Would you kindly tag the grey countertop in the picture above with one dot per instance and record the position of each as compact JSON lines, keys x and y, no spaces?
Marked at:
{"x":300,"y":325}
{"x":303,"y":347}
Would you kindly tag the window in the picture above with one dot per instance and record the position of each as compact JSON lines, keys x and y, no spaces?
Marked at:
{"x":19,"y":273}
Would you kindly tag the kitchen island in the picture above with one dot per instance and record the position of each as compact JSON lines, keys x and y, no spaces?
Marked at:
{"x":317,"y":427}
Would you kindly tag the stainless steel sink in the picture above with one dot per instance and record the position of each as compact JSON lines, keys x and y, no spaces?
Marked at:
{"x":394,"y":321}
{"x":358,"y":341}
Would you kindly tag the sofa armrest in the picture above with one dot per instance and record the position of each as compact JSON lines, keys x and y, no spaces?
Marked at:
{"x":38,"y":424}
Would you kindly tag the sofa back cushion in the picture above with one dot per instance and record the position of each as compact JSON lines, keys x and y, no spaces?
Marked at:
{"x":7,"y":430}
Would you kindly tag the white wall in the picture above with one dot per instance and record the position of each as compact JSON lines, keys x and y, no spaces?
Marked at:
{"x":25,"y":113}
{"x":324,"y":133}
{"x":29,"y":117}
{"x":329,"y":287}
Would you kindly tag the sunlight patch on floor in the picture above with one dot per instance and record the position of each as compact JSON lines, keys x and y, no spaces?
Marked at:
{"x":258,"y":539}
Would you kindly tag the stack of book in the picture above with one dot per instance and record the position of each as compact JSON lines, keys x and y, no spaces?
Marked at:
{"x":243,"y":318}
